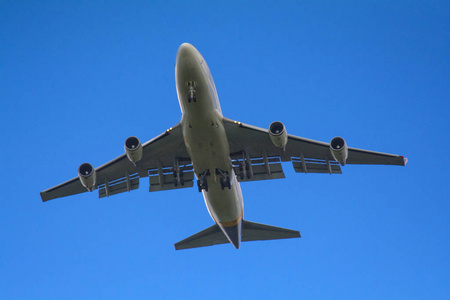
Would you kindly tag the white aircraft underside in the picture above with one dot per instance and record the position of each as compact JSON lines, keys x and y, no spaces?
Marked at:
{"x":221,"y":153}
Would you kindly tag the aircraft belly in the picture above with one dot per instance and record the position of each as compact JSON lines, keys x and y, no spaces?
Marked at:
{"x":205,"y":138}
{"x":207,"y":145}
{"x":225,"y":206}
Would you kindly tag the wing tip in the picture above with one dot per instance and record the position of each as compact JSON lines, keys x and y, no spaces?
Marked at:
{"x":44,"y":196}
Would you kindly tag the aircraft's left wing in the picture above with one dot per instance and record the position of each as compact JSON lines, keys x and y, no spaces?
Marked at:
{"x":255,"y":157}
{"x":162,"y":156}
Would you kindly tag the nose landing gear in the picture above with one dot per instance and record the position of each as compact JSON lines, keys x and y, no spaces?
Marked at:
{"x":191,"y":93}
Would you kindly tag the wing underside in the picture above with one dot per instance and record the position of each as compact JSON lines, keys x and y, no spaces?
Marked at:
{"x":254,"y":156}
{"x":167,"y":164}
{"x":164,"y":157}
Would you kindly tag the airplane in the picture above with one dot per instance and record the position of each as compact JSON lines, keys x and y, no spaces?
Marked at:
{"x":221,"y":153}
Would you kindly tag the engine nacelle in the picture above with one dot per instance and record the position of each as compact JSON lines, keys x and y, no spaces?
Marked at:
{"x":278,"y":134}
{"x":133,"y":148}
{"x":87,"y":175}
{"x":339,"y":150}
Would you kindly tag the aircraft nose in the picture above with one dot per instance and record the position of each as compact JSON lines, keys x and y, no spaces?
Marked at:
{"x":186,"y":52}
{"x":185,"y":47}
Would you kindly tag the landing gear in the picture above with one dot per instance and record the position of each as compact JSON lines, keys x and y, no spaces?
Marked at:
{"x":202,"y":185}
{"x":224,"y":179}
{"x":202,"y":182}
{"x":191,"y":93}
{"x":225,"y":183}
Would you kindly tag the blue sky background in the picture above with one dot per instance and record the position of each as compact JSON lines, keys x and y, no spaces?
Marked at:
{"x":78,"y":77}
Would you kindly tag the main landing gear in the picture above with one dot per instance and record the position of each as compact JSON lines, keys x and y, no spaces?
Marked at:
{"x":191,"y":93}
{"x":224,"y":179}
{"x":202,"y":182}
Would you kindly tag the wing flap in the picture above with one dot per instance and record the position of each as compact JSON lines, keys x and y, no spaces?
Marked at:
{"x":259,"y":168}
{"x":168,"y":182}
{"x":124,"y":184}
{"x":261,"y":173}
{"x":165,"y":178}
{"x":316,"y":166}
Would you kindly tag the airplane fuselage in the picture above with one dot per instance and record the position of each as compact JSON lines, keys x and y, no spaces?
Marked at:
{"x":206,"y":142}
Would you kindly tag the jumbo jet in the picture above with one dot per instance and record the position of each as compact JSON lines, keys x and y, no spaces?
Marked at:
{"x":221,"y":153}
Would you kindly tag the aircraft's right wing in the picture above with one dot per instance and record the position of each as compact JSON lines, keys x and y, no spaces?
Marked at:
{"x":161,"y":157}
{"x":252,"y":145}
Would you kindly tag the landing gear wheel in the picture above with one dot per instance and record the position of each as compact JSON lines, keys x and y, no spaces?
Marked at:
{"x":228,"y":182}
{"x":202,"y":183}
{"x":191,"y":93}
{"x":192,"y":98}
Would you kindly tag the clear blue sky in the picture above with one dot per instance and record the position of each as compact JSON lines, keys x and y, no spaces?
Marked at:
{"x":78,"y":77}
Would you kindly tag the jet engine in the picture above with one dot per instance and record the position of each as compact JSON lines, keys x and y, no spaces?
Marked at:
{"x":339,"y":150}
{"x":278,"y":134}
{"x":133,"y":148}
{"x":87,"y":176}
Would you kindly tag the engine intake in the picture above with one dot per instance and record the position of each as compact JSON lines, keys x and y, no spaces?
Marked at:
{"x":278,"y":134}
{"x":133,"y":148}
{"x":87,"y":175}
{"x":339,"y":150}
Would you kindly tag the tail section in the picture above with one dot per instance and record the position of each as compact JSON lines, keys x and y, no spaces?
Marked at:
{"x":208,"y":237}
{"x":260,"y":232}
{"x":250,"y":232}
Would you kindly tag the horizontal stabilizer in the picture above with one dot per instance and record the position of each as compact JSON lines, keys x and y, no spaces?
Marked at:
{"x":208,"y":237}
{"x":250,"y":232}
{"x":260,"y":232}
